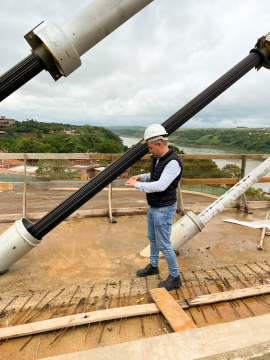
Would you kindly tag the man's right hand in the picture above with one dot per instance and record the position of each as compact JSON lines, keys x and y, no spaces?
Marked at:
{"x":136,"y":178}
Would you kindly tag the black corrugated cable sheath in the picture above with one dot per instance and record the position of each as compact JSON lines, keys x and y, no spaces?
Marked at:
{"x":19,"y":75}
{"x":95,"y":185}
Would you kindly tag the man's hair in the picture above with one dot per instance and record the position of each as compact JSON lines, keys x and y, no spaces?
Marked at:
{"x":164,"y":142}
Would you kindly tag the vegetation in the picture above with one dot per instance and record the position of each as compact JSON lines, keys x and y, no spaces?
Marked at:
{"x":59,"y":138}
{"x":131,"y":131}
{"x":66,"y":138}
{"x":237,"y":140}
{"x":241,"y":140}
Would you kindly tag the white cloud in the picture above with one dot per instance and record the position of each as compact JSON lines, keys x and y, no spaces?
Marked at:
{"x":148,"y":68}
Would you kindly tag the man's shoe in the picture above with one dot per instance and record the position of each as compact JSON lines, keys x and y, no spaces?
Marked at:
{"x":148,"y":270}
{"x":171,"y":283}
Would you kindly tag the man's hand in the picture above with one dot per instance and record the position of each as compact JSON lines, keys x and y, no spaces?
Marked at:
{"x":131,"y":182}
{"x":136,"y":178}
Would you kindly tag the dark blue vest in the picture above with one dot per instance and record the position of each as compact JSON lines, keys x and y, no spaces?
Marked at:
{"x":168,"y":196}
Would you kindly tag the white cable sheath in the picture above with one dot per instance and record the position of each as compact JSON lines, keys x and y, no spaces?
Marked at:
{"x":67,"y":43}
{"x":189,"y":225}
{"x":237,"y":190}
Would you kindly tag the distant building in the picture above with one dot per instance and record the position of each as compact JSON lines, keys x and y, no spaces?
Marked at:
{"x":4,"y":122}
{"x":3,"y":133}
{"x":29,"y":134}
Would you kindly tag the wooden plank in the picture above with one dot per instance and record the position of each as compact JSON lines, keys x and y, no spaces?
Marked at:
{"x":264,"y":179}
{"x":229,"y":295}
{"x":210,"y":181}
{"x":99,"y":156}
{"x":128,"y":311}
{"x":37,"y":156}
{"x":111,"y":218}
{"x":75,"y":320}
{"x":224,"y":156}
{"x":180,"y":202}
{"x":231,"y":181}
{"x":80,"y":319}
{"x":242,"y":198}
{"x":260,"y":246}
{"x":25,"y":188}
{"x":174,"y":314}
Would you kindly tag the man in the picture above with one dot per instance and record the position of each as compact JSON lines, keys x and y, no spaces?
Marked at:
{"x":160,"y":188}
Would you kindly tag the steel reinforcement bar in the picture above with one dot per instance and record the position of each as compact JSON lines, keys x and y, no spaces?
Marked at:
{"x":95,"y":185}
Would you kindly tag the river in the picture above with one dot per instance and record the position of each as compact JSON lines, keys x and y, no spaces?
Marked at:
{"x":251,"y":164}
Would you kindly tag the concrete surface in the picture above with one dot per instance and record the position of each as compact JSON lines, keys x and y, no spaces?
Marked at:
{"x":96,"y":250}
{"x":92,"y":251}
{"x":43,"y":200}
{"x":242,"y":339}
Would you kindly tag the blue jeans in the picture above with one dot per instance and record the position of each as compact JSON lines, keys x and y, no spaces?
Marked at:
{"x":160,"y":220}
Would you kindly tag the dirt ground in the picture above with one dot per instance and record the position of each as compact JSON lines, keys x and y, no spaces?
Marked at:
{"x":94,"y":253}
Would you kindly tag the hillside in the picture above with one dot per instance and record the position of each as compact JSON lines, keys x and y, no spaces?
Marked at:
{"x":237,"y":140}
{"x":59,"y":138}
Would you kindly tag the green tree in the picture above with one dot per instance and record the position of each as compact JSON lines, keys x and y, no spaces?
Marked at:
{"x":232,"y":171}
{"x":31,"y":145}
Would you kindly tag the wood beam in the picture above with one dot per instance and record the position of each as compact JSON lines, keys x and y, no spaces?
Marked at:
{"x":229,"y":295}
{"x":210,"y":181}
{"x":99,"y":156}
{"x":173,"y":313}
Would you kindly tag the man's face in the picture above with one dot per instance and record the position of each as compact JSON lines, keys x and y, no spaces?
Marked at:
{"x":155,"y":149}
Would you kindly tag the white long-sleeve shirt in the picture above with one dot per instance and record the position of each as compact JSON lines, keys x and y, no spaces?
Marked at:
{"x":170,"y":172}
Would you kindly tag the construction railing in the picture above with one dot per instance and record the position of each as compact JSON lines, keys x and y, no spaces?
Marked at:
{"x":34,"y":189}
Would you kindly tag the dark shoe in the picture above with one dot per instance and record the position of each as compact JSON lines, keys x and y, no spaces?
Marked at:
{"x":171,"y":283}
{"x":148,"y":270}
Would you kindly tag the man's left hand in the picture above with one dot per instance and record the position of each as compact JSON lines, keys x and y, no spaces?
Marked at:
{"x":131,"y":182}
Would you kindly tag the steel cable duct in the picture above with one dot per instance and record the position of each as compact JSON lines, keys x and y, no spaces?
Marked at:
{"x":95,"y":185}
{"x":19,"y":75}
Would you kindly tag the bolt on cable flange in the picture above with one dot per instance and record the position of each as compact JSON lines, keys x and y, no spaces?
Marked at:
{"x":262,"y":47}
{"x":41,"y":51}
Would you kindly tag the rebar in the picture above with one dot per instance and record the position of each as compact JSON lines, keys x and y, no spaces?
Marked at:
{"x":37,"y":305}
{"x":131,"y":285}
{"x":222,"y":282}
{"x":141,"y":318}
{"x":121,"y":320}
{"x":220,"y":287}
{"x":2,"y":314}
{"x":261,"y":296}
{"x":15,"y":317}
{"x":88,"y":297}
{"x":119,"y":290}
{"x":243,"y":301}
{"x":189,"y":310}
{"x":263,"y":278}
{"x":44,"y":306}
{"x":62,"y":331}
{"x":215,"y":305}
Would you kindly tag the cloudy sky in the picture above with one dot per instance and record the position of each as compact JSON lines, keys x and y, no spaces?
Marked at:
{"x":148,"y":68}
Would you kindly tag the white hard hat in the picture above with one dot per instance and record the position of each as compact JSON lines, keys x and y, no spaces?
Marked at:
{"x":155,"y":132}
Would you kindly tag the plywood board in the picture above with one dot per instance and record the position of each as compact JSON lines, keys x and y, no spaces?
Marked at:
{"x":174,"y":314}
{"x":6,"y":186}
